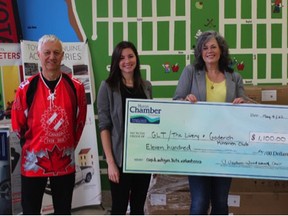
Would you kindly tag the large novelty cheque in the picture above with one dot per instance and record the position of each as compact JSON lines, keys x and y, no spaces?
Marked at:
{"x":208,"y":139}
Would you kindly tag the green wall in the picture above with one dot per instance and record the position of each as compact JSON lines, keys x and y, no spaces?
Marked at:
{"x":165,"y":32}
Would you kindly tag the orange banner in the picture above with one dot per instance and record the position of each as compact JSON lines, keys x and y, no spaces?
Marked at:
{"x":10,"y":29}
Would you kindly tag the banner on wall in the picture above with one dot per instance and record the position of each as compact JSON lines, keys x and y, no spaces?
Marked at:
{"x":9,"y":20}
{"x":10,"y":78}
{"x":87,"y":190}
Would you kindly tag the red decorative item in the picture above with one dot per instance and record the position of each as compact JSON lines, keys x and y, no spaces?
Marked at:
{"x":175,"y":67}
{"x":56,"y":161}
{"x":240,"y":66}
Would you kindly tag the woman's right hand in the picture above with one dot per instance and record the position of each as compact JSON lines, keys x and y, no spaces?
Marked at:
{"x":113,"y":173}
{"x":191,"y":98}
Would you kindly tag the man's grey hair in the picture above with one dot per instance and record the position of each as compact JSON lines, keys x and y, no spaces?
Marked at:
{"x":48,"y":38}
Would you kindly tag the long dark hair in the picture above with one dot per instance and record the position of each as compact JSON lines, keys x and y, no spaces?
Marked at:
{"x":224,"y":61}
{"x":115,"y":77}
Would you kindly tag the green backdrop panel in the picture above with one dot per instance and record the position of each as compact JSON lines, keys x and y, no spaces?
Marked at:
{"x":247,"y":60}
{"x":132,"y":9}
{"x":230,"y":9}
{"x":261,"y":36}
{"x":246,"y":9}
{"x":276,"y":61}
{"x":117,"y":9}
{"x":118,"y":36}
{"x":261,"y":9}
{"x":180,"y":35}
{"x":147,"y":8}
{"x":167,"y":91}
{"x":276,"y":35}
{"x":147,"y":44}
{"x":261,"y":61}
{"x":163,"y":35}
{"x":102,"y":8}
{"x":163,"y":8}
{"x":132,"y":33}
{"x":231,"y":35}
{"x":246,"y":36}
{"x":180,"y":8}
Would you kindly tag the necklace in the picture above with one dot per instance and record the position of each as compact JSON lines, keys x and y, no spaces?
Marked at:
{"x":212,"y":86}
{"x":210,"y":82}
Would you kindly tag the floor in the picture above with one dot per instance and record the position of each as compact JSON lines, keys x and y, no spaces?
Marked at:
{"x":103,"y":209}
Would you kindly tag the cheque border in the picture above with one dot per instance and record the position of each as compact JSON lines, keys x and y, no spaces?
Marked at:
{"x":273,"y":173}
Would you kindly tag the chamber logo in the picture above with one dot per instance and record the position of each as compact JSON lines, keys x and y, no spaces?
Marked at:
{"x":144,"y":114}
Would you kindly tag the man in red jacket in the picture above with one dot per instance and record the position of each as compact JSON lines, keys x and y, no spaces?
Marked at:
{"x":49,"y":114}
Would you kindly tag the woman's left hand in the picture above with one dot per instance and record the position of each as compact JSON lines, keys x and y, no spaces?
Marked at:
{"x":238,"y":100}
